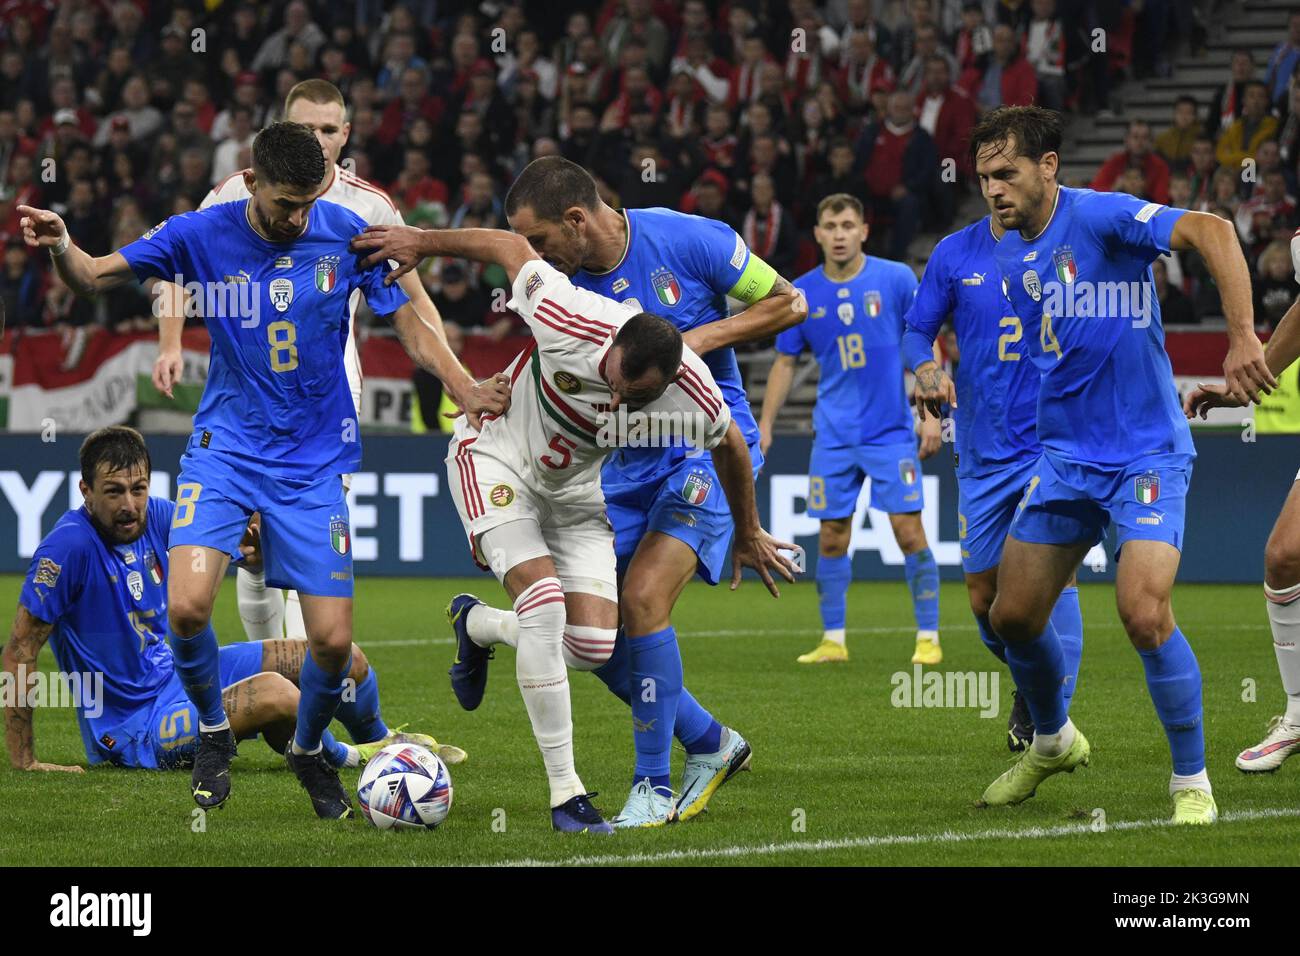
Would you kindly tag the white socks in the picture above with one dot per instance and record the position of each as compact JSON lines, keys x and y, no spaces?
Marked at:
{"x":544,"y":683}
{"x":295,"y":629}
{"x":489,"y":625}
{"x":932,"y":636}
{"x":260,"y":608}
{"x":586,"y":648}
{"x":1053,"y":745}
{"x":1196,"y":781}
{"x":834,"y":635}
{"x":1284,"y":617}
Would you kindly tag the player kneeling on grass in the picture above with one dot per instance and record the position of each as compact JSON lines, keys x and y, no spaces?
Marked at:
{"x":528,"y":491}
{"x":96,"y":590}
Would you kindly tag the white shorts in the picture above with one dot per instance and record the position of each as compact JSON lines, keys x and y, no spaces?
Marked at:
{"x":575,"y":531}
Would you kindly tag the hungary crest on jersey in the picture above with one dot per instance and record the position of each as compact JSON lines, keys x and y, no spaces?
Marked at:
{"x":666,"y":287}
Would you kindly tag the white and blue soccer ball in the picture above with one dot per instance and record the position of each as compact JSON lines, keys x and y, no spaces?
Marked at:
{"x":405,"y":787}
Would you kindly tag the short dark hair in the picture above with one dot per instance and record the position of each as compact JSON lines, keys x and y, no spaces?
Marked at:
{"x":647,"y":342}
{"x":288,"y":154}
{"x":1187,"y":99}
{"x":117,"y":447}
{"x":550,"y":185}
{"x":838,"y":202}
{"x":1036,"y":131}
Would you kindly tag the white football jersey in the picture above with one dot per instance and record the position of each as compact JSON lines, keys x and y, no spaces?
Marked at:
{"x":366,"y":200}
{"x":559,"y":426}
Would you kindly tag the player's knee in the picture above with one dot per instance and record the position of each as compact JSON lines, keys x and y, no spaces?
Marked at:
{"x":281,"y":695}
{"x":587,"y":648}
{"x":188,"y":616}
{"x":1281,"y":563}
{"x":541,"y":613}
{"x":1014,"y":623}
{"x":833,"y":541}
{"x":910,"y":534}
{"x":643,"y":603}
{"x":981,"y":597}
{"x":1147,"y":620}
{"x":360,"y":666}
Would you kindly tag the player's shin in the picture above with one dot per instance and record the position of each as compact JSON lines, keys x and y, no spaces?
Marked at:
{"x":656,"y":664}
{"x":1174,"y":682}
{"x":1068,"y":621}
{"x":1038,"y":667}
{"x":991,"y":640}
{"x":359,"y":710}
{"x":833,"y":576}
{"x":544,"y":683}
{"x":321,"y":691}
{"x":587,"y":648}
{"x":200,"y":672}
{"x":260,"y":608}
{"x":1284,"y":620}
{"x":695,"y":728}
{"x":923,"y":581}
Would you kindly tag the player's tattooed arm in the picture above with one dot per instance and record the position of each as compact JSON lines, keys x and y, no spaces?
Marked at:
{"x":29,"y":634}
{"x":754,"y":547}
{"x":408,"y":246}
{"x":934,"y":389}
{"x":84,"y":274}
{"x":1245,"y":370}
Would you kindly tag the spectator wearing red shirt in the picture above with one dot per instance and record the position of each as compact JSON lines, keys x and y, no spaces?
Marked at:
{"x":898,"y":160}
{"x":637,"y":90}
{"x":414,"y":185}
{"x":868,"y":77}
{"x":744,"y":86}
{"x":718,"y":142}
{"x":1008,"y":79}
{"x":1268,"y":215}
{"x":1137,"y":152}
{"x":412,"y":101}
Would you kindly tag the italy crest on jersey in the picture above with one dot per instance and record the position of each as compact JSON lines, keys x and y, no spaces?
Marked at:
{"x":155,"y":568}
{"x":697,"y":487}
{"x":339,"y":534}
{"x":666,"y":286}
{"x":1147,"y":489}
{"x":871,"y":302}
{"x":1066,"y":270}
{"x":327,"y":274}
{"x":907,"y":471}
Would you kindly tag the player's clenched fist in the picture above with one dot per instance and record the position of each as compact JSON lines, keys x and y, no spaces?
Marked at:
{"x":42,"y":228}
{"x":488,"y":397}
{"x":404,"y":245}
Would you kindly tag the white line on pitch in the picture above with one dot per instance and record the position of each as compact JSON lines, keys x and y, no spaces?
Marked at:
{"x":865,"y":843}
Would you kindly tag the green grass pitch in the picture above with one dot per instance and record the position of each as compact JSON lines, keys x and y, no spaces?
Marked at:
{"x":840,"y":776}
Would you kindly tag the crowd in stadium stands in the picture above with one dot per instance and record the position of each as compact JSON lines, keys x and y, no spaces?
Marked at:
{"x":119,"y":113}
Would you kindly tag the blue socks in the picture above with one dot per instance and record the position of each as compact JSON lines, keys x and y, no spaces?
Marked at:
{"x":695,"y":727}
{"x":833,"y":575}
{"x":320,"y":693}
{"x":991,"y":640}
{"x":1174,"y":682}
{"x":656,"y":671}
{"x":200,"y":673}
{"x":1038,"y":667}
{"x":923,"y":581}
{"x":335,"y":752}
{"x":361,"y":716}
{"x":1068,"y":621}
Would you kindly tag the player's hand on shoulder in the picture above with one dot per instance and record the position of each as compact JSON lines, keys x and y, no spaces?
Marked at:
{"x":761,"y":552}
{"x":1206,"y":396}
{"x":41,"y":227}
{"x":403,"y":244}
{"x":1246,"y":371}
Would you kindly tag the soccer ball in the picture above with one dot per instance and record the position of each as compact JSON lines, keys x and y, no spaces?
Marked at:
{"x":405,"y":787}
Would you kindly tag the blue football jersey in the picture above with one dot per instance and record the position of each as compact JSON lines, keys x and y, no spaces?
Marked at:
{"x":682,"y":268}
{"x":1087,"y":302}
{"x":997,"y":382}
{"x":108,"y":607}
{"x":277,"y":312}
{"x":854,"y":330}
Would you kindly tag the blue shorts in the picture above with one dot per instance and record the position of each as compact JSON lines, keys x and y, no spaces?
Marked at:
{"x":835,"y":478}
{"x":1070,"y":503}
{"x":689,"y":504}
{"x":986,"y":506}
{"x":173,"y":725}
{"x":306,"y":536}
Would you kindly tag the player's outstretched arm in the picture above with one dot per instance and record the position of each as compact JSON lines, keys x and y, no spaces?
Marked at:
{"x":777,"y":312}
{"x":19,"y":662}
{"x":408,"y":246}
{"x":1244,"y":368}
{"x":430,"y":351}
{"x":754,"y":547}
{"x":777,"y":390}
{"x":1282,"y":350}
{"x":85,"y":275}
